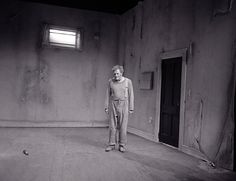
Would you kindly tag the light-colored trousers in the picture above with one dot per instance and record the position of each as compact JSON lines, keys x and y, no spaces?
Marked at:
{"x":118,"y":122}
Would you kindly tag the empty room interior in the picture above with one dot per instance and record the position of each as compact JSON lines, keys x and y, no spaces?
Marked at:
{"x":56,"y":59}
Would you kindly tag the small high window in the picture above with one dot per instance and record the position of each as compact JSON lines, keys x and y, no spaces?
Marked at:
{"x":63,"y":37}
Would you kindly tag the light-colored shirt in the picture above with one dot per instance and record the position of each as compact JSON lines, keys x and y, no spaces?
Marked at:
{"x":120,"y":91}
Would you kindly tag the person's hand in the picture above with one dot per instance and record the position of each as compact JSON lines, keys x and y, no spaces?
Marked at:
{"x":106,"y":110}
{"x":131,"y":111}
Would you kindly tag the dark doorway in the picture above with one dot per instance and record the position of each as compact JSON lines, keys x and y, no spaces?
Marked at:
{"x":170,"y":101}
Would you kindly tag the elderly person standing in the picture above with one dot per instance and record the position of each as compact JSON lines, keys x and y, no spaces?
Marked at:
{"x":119,"y":103}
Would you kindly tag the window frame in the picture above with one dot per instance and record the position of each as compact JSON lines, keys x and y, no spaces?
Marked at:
{"x":46,"y":36}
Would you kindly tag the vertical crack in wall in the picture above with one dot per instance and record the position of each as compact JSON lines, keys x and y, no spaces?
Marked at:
{"x":224,"y":147}
{"x":198,"y":133}
{"x":198,"y":124}
{"x":133,"y":22}
{"x":139,"y":69}
{"x":224,"y":153}
{"x":142,"y":19}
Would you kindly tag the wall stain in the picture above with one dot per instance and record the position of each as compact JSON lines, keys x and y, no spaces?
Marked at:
{"x":43,"y":82}
{"x":30,"y":85}
{"x":224,"y":154}
{"x":35,"y":84}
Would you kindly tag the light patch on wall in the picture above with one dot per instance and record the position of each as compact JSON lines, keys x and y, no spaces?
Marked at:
{"x":63,"y":37}
{"x":146,"y":81}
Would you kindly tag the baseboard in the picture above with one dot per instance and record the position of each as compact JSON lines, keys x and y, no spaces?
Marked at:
{"x":148,"y":136}
{"x":142,"y":134}
{"x":186,"y":149}
{"x":23,"y":123}
{"x":191,"y":151}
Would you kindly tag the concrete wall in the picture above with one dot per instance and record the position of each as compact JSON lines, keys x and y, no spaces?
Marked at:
{"x":48,"y":86}
{"x":156,"y":26}
{"x":58,"y":87}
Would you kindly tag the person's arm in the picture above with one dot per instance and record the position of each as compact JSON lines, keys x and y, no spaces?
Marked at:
{"x":131,"y":96}
{"x":107,"y":97}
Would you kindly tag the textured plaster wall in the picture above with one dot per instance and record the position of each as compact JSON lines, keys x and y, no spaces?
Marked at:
{"x":40,"y":84}
{"x":156,"y":26}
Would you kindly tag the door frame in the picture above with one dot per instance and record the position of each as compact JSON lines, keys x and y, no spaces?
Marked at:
{"x":169,"y":55}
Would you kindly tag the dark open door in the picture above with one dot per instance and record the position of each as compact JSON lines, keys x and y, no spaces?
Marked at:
{"x":170,"y":101}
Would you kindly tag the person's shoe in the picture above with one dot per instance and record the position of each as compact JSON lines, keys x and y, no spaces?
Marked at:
{"x":109,"y":148}
{"x":122,"y":149}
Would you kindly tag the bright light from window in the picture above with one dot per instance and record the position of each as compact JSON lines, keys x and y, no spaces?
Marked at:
{"x":60,"y":38}
{"x":62,"y":32}
{"x":63,"y":37}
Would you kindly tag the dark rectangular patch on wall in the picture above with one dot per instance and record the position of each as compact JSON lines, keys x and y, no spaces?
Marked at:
{"x":146,"y":81}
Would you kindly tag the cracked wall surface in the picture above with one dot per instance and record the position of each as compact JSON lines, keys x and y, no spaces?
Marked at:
{"x":40,"y":84}
{"x":156,"y":26}
{"x":43,"y":84}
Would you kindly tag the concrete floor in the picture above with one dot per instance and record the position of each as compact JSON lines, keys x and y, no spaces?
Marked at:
{"x":77,"y":154}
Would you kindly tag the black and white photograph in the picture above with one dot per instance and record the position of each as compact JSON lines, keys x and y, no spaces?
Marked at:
{"x":118,"y":90}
